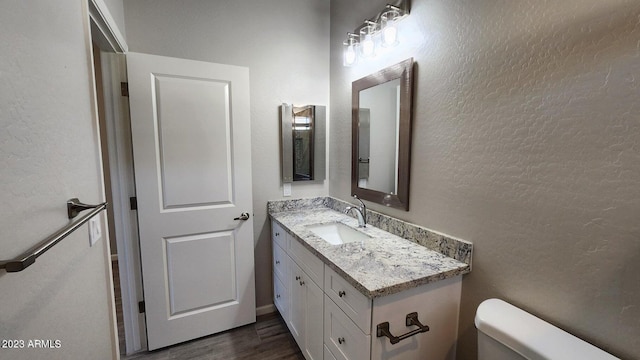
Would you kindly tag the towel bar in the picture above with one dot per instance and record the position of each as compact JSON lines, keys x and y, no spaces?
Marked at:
{"x":74,"y":206}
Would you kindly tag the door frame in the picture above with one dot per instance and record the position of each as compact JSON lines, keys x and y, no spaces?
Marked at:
{"x":118,"y":142}
{"x":105,"y":32}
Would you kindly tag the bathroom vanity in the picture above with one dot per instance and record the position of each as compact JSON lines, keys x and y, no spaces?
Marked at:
{"x":364,"y":293}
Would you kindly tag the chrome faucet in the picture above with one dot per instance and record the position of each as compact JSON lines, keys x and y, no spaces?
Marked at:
{"x":361,"y":212}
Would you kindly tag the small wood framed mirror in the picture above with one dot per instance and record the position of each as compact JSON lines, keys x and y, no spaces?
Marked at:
{"x":381,"y":135}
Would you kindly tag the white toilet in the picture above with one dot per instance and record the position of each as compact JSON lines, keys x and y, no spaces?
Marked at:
{"x":506,"y":332}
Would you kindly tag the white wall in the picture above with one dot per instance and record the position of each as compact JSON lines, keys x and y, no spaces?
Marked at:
{"x":525,"y":141}
{"x":49,"y":153}
{"x":284,"y":43}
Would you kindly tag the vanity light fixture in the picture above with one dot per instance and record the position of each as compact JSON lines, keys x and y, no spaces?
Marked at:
{"x":381,"y":30}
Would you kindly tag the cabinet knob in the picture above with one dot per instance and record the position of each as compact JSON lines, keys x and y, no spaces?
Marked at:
{"x":301,"y":283}
{"x":341,"y":293}
{"x":278,"y":296}
{"x":297,"y":277}
{"x":341,"y":340}
{"x":277,"y":262}
{"x":277,"y":234}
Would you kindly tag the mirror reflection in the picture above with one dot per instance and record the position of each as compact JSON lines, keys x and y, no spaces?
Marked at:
{"x":303,"y":142}
{"x":379,"y":119}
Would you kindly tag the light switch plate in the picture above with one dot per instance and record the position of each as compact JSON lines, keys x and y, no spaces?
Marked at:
{"x":95,"y":230}
{"x":286,"y":189}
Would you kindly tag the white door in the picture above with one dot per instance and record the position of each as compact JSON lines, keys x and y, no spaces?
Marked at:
{"x":191,"y":144}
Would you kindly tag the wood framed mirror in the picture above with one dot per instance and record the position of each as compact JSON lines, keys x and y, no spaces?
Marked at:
{"x":303,"y":132}
{"x":381,"y":135}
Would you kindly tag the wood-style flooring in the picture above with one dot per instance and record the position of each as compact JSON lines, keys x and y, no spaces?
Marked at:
{"x":267,"y":339}
{"x":117,"y":294}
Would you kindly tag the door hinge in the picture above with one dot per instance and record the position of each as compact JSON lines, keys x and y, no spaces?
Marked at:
{"x":124,"y":88}
{"x":141,"y":307}
{"x":133,"y":203}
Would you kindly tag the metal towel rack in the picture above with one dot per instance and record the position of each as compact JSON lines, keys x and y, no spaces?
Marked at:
{"x":74,"y":207}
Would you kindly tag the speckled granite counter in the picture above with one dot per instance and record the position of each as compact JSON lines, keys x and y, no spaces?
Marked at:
{"x":383,"y":265}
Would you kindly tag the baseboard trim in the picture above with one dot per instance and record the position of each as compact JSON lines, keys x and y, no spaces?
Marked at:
{"x":266,"y":309}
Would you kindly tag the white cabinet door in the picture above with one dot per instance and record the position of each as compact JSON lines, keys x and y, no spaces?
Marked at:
{"x":314,"y":319}
{"x":297,"y":307}
{"x":191,"y":145}
{"x":328,"y":355}
{"x":306,"y":315}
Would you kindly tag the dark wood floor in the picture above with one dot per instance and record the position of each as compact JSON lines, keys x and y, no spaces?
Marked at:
{"x":117,"y":294}
{"x":267,"y":339}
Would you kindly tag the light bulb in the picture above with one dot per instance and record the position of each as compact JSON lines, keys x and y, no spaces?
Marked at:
{"x":367,"y":41}
{"x":350,"y":50}
{"x":388,"y":23}
{"x":389,"y":36}
{"x":350,"y":55}
{"x":368,"y":46}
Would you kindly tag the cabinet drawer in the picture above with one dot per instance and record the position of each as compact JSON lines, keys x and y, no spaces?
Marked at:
{"x":278,"y":235}
{"x":311,"y":264}
{"x":280,"y":263}
{"x":350,"y":300}
{"x":281,"y":297}
{"x":342,"y":337}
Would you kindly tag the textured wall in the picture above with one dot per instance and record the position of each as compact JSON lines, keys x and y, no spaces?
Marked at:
{"x":49,"y":153}
{"x":526,"y":141}
{"x":284,"y":44}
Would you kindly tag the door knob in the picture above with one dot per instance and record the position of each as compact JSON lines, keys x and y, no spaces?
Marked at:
{"x":243,"y":216}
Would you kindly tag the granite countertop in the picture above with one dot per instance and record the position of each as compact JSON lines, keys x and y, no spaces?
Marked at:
{"x":383,"y":265}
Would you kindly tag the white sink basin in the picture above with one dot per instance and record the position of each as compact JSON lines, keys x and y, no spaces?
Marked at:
{"x":337,"y":233}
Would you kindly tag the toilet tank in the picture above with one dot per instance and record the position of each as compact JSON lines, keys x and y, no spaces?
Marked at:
{"x":506,"y":332}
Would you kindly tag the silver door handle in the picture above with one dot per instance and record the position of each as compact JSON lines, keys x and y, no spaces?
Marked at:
{"x":243,"y":216}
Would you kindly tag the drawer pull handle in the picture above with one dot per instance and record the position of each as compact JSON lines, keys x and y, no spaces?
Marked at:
{"x":412,"y":320}
{"x":297,"y":277}
{"x":341,"y":340}
{"x":278,"y":296}
{"x":341,"y":293}
{"x":277,"y":234}
{"x":301,"y":283}
{"x":277,"y":262}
